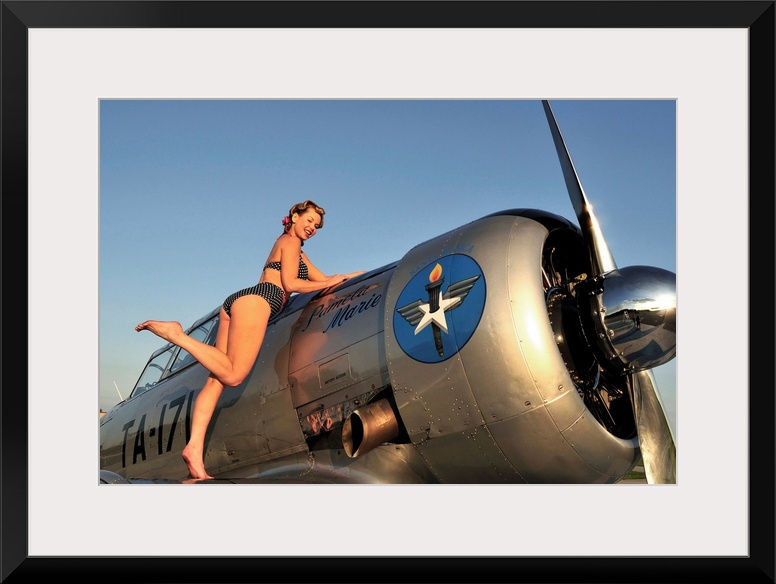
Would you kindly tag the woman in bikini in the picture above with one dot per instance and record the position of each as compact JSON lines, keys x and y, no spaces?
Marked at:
{"x":243,"y":322}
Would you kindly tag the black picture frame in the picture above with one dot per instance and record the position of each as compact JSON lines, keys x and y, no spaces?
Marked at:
{"x":19,"y":16}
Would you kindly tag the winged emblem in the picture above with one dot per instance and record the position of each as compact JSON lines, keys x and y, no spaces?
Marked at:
{"x":421,"y":314}
{"x":458,"y":291}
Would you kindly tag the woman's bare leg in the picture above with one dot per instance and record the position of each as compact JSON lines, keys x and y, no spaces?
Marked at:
{"x":214,"y":360}
{"x":232,"y":364}
{"x":204,"y":406}
{"x":207,"y":399}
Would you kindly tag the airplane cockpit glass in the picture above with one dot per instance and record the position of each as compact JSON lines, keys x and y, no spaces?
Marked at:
{"x":204,"y":332}
{"x":174,"y":359}
{"x":153,"y":372}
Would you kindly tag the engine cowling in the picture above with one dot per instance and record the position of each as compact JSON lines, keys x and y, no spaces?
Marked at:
{"x":485,"y":380}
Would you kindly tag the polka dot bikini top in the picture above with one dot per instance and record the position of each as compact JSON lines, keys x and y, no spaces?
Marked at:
{"x":302,"y":274}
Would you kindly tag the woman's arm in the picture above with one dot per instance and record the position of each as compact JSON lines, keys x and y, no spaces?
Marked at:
{"x":290,"y":251}
{"x":315,"y":274}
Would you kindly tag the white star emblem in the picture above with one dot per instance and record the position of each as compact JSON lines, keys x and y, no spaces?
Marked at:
{"x":438,"y":316}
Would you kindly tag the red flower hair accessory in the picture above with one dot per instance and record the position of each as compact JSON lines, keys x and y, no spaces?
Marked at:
{"x":286,"y":221}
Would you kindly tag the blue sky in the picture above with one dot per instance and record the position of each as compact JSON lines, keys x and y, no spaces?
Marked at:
{"x":192,"y":193}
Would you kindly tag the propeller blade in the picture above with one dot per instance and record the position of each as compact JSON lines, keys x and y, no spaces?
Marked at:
{"x":601,"y":257}
{"x":656,"y":441}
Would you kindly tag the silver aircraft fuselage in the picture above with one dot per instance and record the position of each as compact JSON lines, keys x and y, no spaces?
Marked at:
{"x":509,"y":350}
{"x":463,"y":362}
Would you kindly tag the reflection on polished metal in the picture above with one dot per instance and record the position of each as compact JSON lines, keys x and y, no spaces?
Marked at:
{"x":541,"y":378}
{"x":636,"y":317}
{"x":599,"y":250}
{"x":656,"y":441}
{"x":629,"y":318}
{"x":368,"y":427}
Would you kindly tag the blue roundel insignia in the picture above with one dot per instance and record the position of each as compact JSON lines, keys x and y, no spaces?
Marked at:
{"x":440,"y":308}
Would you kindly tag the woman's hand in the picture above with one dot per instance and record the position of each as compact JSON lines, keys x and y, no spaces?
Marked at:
{"x":338,"y":279}
{"x":335,"y":280}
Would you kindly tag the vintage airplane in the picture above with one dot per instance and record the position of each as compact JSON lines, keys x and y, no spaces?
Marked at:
{"x":509,"y":350}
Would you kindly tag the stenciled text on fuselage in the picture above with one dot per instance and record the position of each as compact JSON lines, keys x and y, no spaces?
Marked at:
{"x":347,"y":307}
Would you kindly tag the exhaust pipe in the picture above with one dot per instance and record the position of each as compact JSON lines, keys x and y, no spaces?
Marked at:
{"x":368,"y":427}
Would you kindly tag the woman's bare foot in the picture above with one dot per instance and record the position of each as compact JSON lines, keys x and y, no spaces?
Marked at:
{"x":193,"y":459}
{"x":168,"y":330}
